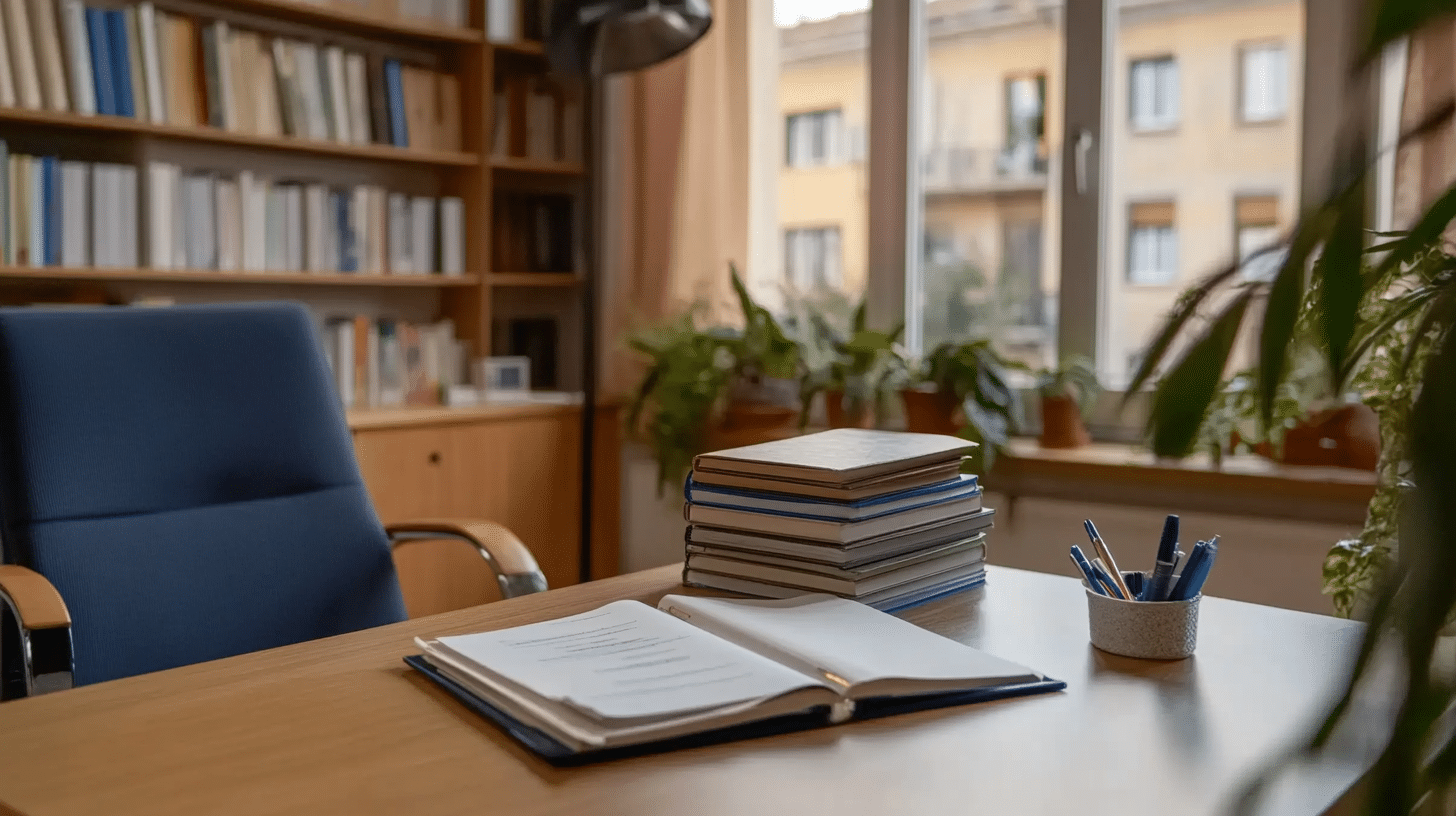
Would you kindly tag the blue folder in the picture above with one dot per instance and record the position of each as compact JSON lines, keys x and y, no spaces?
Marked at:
{"x":549,"y":749}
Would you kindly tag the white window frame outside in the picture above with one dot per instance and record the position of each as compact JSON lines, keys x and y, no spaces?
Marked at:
{"x":813,"y":258}
{"x":1154,"y":80}
{"x":801,"y":132}
{"x":1152,"y":254}
{"x":1276,"y":95}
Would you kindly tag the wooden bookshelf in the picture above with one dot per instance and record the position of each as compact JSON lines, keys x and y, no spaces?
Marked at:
{"x":340,"y":16}
{"x":533,"y":279}
{"x":252,"y":278}
{"x":205,"y":133}
{"x":527,"y":47}
{"x":516,"y":164}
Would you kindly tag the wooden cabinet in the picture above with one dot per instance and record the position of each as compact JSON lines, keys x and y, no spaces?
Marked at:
{"x":518,"y":466}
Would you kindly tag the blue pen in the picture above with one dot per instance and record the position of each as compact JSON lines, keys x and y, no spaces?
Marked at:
{"x":1112,"y":589}
{"x":1086,"y":569}
{"x":1195,"y":586}
{"x":1191,"y":566}
{"x":1157,"y":586}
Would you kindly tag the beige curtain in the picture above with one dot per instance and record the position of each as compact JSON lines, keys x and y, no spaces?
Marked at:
{"x":675,"y":190}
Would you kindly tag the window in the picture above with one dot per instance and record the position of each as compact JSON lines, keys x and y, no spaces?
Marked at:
{"x":1154,"y":93}
{"x":815,"y":139}
{"x":1025,"y":151}
{"x":1264,"y":83}
{"x":1152,"y":244}
{"x":1256,"y":227}
{"x":811,"y":259}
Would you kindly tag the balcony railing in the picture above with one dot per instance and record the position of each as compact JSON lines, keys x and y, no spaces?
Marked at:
{"x":949,"y":170}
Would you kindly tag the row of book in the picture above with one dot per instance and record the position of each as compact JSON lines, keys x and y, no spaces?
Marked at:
{"x":250,"y":223}
{"x":166,"y":68}
{"x":384,"y":362}
{"x":533,"y":233}
{"x":880,"y":517}
{"x":536,"y":118}
{"x":66,"y":213}
{"x":517,"y":21}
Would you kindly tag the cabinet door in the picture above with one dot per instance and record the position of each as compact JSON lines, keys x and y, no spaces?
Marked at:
{"x":522,"y":473}
{"x":409,"y":475}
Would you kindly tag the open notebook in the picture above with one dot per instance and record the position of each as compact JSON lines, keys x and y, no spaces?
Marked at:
{"x":627,"y":678}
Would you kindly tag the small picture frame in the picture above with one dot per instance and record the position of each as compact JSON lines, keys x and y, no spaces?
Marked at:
{"x":503,"y":376}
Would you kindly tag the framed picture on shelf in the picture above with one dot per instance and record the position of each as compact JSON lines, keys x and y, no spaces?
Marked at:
{"x":505,"y":376}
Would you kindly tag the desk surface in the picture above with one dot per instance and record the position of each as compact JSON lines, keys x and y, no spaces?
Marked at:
{"x":341,"y":726}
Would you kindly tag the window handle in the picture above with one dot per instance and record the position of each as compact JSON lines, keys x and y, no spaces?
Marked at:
{"x":1082,"y":148}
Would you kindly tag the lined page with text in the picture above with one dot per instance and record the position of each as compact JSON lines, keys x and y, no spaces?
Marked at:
{"x":627,"y":660}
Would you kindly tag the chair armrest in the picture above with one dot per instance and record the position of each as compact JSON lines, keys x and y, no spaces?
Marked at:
{"x":35,"y":652}
{"x":514,"y":567}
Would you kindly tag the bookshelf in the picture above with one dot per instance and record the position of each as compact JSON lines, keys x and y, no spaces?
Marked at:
{"x":283,"y":149}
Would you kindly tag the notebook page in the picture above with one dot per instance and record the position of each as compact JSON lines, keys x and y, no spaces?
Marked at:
{"x":627,"y":660}
{"x":848,"y":640}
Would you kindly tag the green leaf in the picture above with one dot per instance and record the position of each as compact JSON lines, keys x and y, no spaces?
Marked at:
{"x":1183,"y":396}
{"x":1403,"y":307}
{"x":1397,"y":19}
{"x":1428,"y":229}
{"x":1281,"y":315}
{"x":1183,"y":311}
{"x":1342,"y":286}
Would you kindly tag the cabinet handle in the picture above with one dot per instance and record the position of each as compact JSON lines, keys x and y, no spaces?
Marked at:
{"x":434,"y":457}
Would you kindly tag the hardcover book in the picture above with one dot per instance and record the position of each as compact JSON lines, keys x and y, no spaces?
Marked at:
{"x":840,"y":457}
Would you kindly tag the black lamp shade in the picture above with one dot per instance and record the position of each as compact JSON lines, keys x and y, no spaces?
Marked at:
{"x":600,"y":37}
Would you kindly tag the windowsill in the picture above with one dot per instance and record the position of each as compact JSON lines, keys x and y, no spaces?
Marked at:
{"x":1154,"y":130}
{"x":1263,"y":123}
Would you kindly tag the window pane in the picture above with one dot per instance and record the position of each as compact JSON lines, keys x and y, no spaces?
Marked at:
{"x":1223,"y":58}
{"x":989,"y":128}
{"x":823,"y":89}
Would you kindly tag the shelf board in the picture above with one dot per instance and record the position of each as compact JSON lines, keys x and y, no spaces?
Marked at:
{"x":528,"y":47}
{"x":340,"y":16}
{"x":532,"y":279}
{"x":517,"y":164}
{"x":124,"y":124}
{"x":130,"y":274}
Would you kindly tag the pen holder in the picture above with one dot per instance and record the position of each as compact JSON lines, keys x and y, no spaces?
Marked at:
{"x":1165,"y":630}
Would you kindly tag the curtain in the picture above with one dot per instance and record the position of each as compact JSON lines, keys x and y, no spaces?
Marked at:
{"x":1427,"y":166}
{"x":675,"y":190}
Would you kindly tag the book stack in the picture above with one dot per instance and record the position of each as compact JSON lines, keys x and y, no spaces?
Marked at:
{"x":880,"y":517}
{"x":388,"y":363}
{"x":538,"y":119}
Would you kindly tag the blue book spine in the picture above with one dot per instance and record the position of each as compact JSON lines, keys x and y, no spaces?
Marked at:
{"x":120,"y":62}
{"x":101,"y":61}
{"x":51,"y":193}
{"x":348,"y":241}
{"x":394,"y":87}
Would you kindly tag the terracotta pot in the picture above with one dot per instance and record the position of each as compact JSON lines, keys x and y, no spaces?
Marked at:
{"x":931,"y":412}
{"x":766,"y":403}
{"x":1061,"y":423}
{"x":840,"y":416}
{"x":1348,"y":436}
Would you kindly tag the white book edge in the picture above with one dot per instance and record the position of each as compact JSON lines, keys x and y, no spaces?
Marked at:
{"x":152,"y":63}
{"x":22,"y":54}
{"x":48,"y":55}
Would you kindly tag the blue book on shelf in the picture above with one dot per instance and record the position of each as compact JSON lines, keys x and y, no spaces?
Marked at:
{"x":96,"y":32}
{"x":120,"y":62}
{"x":50,"y":173}
{"x":348,"y":241}
{"x":758,"y":501}
{"x":394,"y":90}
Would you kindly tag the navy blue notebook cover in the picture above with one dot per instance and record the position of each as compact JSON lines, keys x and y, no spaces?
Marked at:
{"x":555,"y":753}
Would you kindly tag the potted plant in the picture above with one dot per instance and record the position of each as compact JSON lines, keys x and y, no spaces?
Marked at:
{"x":764,"y":392}
{"x":1068,"y":392}
{"x":862,"y":364}
{"x":965,"y":389}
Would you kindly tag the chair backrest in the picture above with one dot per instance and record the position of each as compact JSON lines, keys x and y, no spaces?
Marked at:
{"x":185,"y":477}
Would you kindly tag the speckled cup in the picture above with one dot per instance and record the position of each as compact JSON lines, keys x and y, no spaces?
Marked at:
{"x":1166,"y":630}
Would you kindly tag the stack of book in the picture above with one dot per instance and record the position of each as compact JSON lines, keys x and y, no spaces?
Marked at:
{"x":388,"y":363}
{"x":884,"y":518}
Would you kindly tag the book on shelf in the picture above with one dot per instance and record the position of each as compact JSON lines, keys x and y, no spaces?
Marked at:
{"x":66,"y":212}
{"x":387,"y":363}
{"x":534,"y":233}
{"x":724,"y":670}
{"x":536,"y":118}
{"x":168,"y":68}
{"x":245,"y":221}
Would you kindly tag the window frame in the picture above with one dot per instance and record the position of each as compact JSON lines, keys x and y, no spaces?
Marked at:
{"x":896,"y":55}
{"x":1241,"y":52}
{"x":1172,"y":124}
{"x":835,"y":149}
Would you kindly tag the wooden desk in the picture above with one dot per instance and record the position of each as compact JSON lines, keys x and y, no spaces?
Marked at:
{"x":341,"y":726}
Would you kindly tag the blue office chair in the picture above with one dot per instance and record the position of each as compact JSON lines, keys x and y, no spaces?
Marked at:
{"x":179,"y":485}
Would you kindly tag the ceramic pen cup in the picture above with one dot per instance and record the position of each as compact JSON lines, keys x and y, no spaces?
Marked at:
{"x":1163,"y":630}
